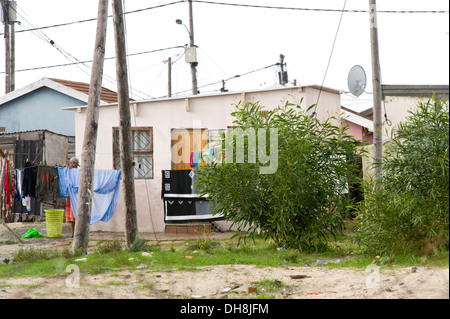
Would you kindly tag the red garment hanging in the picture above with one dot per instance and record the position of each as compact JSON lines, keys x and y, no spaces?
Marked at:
{"x":7,"y":187}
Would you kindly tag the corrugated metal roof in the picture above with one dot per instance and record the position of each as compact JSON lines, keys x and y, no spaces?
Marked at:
{"x":106,"y":95}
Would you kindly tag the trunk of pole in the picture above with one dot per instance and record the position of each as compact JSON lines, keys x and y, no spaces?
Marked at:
{"x":12,"y":57}
{"x":6,"y":35}
{"x":169,"y":85}
{"x":126,"y":152}
{"x":282,"y":82}
{"x":87,"y":163}
{"x":191,"y":44}
{"x":376,"y":79}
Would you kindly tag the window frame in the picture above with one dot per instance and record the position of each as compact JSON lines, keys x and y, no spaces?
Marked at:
{"x":150,"y":153}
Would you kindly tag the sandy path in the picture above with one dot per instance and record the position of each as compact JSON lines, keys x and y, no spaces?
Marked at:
{"x":231,"y":281}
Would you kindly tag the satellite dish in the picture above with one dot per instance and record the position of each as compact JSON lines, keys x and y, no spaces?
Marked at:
{"x":357,"y":80}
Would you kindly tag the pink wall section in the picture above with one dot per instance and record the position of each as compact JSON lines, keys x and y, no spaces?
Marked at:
{"x":359,"y":132}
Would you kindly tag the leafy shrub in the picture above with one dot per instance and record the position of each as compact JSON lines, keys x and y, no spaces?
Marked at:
{"x":407,"y":208}
{"x":109,"y":246}
{"x":300,"y":203}
{"x":205,"y":244}
{"x":140,"y":244}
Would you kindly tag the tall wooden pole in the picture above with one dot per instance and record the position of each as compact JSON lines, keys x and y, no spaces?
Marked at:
{"x":191,"y":44}
{"x":126,"y":142}
{"x":169,"y":75}
{"x":376,"y":79}
{"x":6,"y":35}
{"x":83,"y":218}
{"x":9,"y":19}
{"x":12,"y":57}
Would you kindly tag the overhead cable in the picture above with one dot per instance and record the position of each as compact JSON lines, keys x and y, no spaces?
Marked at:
{"x":245,"y":5}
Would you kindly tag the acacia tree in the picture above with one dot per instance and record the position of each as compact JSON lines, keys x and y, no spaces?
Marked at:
{"x":300,"y":203}
{"x":408,"y":207}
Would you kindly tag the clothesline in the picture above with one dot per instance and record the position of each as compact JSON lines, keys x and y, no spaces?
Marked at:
{"x":48,"y":183}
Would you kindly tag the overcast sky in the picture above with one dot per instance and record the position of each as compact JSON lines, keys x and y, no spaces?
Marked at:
{"x":235,"y":40}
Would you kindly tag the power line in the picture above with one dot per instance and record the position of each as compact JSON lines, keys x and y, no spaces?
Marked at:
{"x":95,"y":19}
{"x":241,"y":5}
{"x":230,"y":78}
{"x":329,"y":60}
{"x":317,"y":9}
{"x":90,"y":61}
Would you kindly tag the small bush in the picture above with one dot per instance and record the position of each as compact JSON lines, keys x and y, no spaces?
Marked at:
{"x":33,"y":254}
{"x":140,"y":244}
{"x":205,"y":244}
{"x":298,"y":204}
{"x":109,"y":246}
{"x":407,"y":208}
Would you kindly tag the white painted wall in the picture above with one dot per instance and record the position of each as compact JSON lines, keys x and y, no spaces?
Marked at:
{"x":397,"y":108}
{"x":213,"y":112}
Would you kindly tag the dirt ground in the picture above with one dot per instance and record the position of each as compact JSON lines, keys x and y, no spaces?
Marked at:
{"x":215,"y":282}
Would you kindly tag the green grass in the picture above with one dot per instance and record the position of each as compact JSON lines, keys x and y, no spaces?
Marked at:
{"x":204,"y":252}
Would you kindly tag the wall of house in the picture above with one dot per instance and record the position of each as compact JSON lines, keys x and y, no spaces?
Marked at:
{"x":40,"y":109}
{"x":212,"y":112}
{"x":358,"y":132}
{"x":397,"y":108}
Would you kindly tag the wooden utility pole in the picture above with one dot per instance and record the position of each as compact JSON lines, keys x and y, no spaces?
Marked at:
{"x":376,"y":79}
{"x":282,"y":78}
{"x":169,"y":84}
{"x":192,"y":45}
{"x":126,"y":142}
{"x":9,"y":18}
{"x":83,"y":218}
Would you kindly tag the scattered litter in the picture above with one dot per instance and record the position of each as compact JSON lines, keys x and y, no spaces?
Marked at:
{"x":32,"y":233}
{"x":224,"y":291}
{"x":196,"y":297}
{"x":146,"y":254}
{"x":141,"y":266}
{"x":188,"y":257}
{"x":321,"y":262}
{"x":131,"y":258}
{"x":299,"y":276}
{"x":235,"y":285}
{"x":81,"y":259}
{"x":281,"y":249}
{"x":252,"y":290}
{"x":320,"y":292}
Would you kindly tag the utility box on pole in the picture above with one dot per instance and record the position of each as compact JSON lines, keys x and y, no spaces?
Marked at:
{"x":190,"y":54}
{"x":11,"y":11}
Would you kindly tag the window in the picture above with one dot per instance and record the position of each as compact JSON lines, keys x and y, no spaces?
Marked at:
{"x":185,"y":142}
{"x":142,"y":149}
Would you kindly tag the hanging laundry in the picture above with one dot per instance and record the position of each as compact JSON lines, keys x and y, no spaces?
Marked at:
{"x":26,"y":201}
{"x":29,"y":180}
{"x":18,"y":184}
{"x":9,"y":185}
{"x":105,"y":191}
{"x":196,"y":159}
{"x":177,"y":182}
{"x":180,"y":207}
{"x":191,"y":160}
{"x":47,"y":184}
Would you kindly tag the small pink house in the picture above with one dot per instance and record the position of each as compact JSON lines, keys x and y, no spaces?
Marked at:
{"x":361,"y":126}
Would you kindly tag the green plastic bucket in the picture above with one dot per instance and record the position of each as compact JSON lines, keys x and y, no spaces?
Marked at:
{"x":54,"y":222}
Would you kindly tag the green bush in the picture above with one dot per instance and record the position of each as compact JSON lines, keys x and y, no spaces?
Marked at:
{"x":407,"y":208}
{"x":300,"y":203}
{"x":109,"y":246}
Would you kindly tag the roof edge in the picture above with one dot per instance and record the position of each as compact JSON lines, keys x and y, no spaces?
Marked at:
{"x":44,"y":82}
